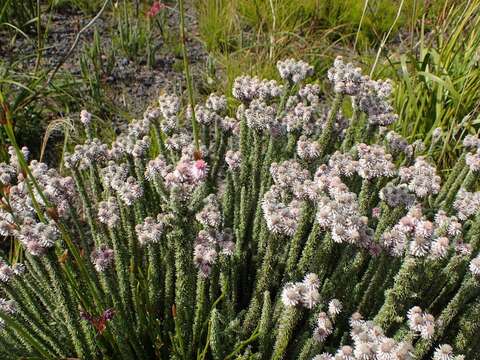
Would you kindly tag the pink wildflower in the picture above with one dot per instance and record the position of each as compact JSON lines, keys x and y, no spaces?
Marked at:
{"x":199,"y":169}
{"x":155,"y":9}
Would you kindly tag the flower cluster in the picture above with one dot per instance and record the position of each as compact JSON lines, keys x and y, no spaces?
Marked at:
{"x":102,"y":258}
{"x":85,"y":117}
{"x":210,"y":216}
{"x":473,"y":160}
{"x":8,"y":272}
{"x":323,"y":328}
{"x":307,"y":150}
{"x":260,"y":116}
{"x":346,"y":78}
{"x":372,"y":99}
{"x":151,"y":230}
{"x":369,"y":342}
{"x":421,"y":178}
{"x":233,"y":159}
{"x":471,"y":142}
{"x":208,"y":245}
{"x":304,"y":293}
{"x":339,"y":213}
{"x":421,"y":237}
{"x":293,"y":70}
{"x":37,"y":237}
{"x":475,"y":266}
{"x":185,"y":177}
{"x":58,"y":190}
{"x":8,"y":306}
{"x":445,"y":352}
{"x":421,"y":322}
{"x":85,"y":155}
{"x":396,"y":196}
{"x":7,"y":174}
{"x":246,"y":89}
{"x":281,"y":218}
{"x":211,"y":241}
{"x":169,"y":105}
{"x":335,"y":307}
{"x":466,"y":203}
{"x":108,"y":212}
{"x":342,"y":164}
{"x":396,"y":143}
{"x":373,"y":162}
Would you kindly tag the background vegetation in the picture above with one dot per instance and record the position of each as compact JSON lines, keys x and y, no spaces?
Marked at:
{"x":429,"y":48}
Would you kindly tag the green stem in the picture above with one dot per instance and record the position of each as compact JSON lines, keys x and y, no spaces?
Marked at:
{"x":288,"y":321}
{"x":326,"y":136}
{"x":188,"y":77}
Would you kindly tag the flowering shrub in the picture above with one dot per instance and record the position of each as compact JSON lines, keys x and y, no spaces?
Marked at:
{"x":273,"y":239}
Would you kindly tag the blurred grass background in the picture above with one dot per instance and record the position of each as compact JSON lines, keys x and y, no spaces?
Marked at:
{"x":429,"y":48}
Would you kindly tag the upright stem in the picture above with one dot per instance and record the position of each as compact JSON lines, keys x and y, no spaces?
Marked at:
{"x":187,"y":73}
{"x":326,"y":136}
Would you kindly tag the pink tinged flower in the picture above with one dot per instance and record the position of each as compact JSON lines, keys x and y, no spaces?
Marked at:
{"x":35,"y":248}
{"x":345,"y":353}
{"x":386,"y":349}
{"x":356,"y":320}
{"x":427,"y":331}
{"x":440,"y":248}
{"x":454,"y":228}
{"x":85,"y":117}
{"x":8,"y":306}
{"x":419,"y":247}
{"x":102,"y":258}
{"x":443,"y":352}
{"x":364,"y":351}
{"x":374,"y":249}
{"x":6,"y":272}
{"x":475,"y":266}
{"x":310,"y":298}
{"x":199,"y":169}
{"x":290,"y":295}
{"x":334,"y":307}
{"x":416,"y":322}
{"x":155,"y":9}
{"x":311,"y":281}
{"x":423,"y":228}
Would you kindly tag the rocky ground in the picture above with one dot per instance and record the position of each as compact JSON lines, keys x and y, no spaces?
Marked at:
{"x":131,"y":85}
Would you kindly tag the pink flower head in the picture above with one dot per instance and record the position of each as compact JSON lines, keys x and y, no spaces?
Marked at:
{"x":199,"y":169}
{"x":374,"y":249}
{"x":155,"y":9}
{"x":35,"y":248}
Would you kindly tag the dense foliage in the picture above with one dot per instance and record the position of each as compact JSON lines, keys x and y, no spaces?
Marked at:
{"x":270,"y":232}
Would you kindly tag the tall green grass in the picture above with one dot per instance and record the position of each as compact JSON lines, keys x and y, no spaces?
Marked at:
{"x":438,"y":81}
{"x":431,"y":51}
{"x":250,"y":36}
